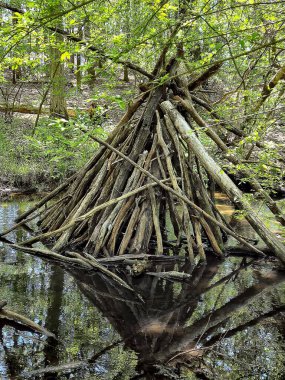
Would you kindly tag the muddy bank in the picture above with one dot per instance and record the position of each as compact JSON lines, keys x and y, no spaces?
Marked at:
{"x":7,"y":193}
{"x":11,"y":188}
{"x":17,"y":185}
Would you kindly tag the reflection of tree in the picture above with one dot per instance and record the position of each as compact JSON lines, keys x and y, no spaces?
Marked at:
{"x":53,"y":318}
{"x":20,"y":285}
{"x":155,"y":324}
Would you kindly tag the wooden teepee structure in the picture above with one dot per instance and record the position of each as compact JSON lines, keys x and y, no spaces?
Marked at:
{"x":147,"y":182}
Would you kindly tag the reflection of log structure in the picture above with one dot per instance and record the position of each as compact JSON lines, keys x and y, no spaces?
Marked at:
{"x":148,"y":179}
{"x":155,"y":324}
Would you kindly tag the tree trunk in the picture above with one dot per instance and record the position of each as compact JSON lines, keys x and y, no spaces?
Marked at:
{"x":57,"y":93}
{"x":126,"y":74}
{"x":57,"y":74}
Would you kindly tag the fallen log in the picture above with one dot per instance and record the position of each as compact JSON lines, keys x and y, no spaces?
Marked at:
{"x":33,"y":110}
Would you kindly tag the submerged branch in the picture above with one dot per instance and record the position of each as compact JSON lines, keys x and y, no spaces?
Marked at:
{"x":23,"y":321}
{"x":70,"y":367}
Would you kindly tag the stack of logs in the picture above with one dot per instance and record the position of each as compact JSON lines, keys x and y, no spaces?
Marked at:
{"x":149,"y":181}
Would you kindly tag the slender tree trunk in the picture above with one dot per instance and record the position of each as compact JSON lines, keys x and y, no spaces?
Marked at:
{"x":57,"y":94}
{"x":91,"y":69}
{"x":126,"y":74}
{"x":78,"y":72}
{"x":57,"y":77}
{"x":79,"y":63}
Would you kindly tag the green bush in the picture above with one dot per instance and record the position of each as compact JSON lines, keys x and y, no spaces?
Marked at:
{"x":56,"y":150}
{"x":63,"y":145}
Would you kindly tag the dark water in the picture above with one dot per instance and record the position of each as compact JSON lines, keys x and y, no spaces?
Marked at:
{"x":225,"y":321}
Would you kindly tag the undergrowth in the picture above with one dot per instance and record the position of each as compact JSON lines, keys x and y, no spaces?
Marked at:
{"x":55,"y":151}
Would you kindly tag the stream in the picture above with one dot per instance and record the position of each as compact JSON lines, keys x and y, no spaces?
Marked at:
{"x":224,"y":320}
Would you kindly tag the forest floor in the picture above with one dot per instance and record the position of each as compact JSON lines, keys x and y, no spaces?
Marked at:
{"x":38,"y":159}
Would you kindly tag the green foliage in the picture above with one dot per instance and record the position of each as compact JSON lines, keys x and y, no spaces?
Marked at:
{"x":16,"y":168}
{"x":125,"y":30}
{"x":64,"y":145}
{"x":57,"y":149}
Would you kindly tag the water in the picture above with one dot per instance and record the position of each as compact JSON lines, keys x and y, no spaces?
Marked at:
{"x":226,"y":321}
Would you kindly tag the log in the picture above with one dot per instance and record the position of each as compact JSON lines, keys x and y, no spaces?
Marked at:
{"x":32,"y":110}
{"x":76,"y":259}
{"x":204,"y":76}
{"x":271,"y":204}
{"x":222,"y":179}
{"x":172,"y":191}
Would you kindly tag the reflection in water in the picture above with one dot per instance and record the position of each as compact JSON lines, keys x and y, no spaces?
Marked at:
{"x":178,"y":325}
{"x":237,"y":221}
{"x":223,"y":320}
{"x":53,"y":319}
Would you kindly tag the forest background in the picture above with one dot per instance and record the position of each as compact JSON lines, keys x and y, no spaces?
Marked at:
{"x":75,"y":65}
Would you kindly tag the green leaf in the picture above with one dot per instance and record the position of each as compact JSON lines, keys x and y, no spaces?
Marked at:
{"x":65,"y":56}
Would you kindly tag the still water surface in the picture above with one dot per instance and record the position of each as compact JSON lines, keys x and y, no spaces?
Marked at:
{"x":226,"y":320}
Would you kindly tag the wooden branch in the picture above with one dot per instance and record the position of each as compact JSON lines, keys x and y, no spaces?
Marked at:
{"x":89,"y":213}
{"x":134,"y":67}
{"x":10,"y":8}
{"x":94,"y":188}
{"x":76,"y":259}
{"x":272,"y":205}
{"x":50,"y":255}
{"x":186,"y":219}
{"x":131,"y":110}
{"x":226,"y":184}
{"x":180,"y":196}
{"x":204,"y":76}
{"x":207,"y":129}
{"x":267,"y":89}
{"x":156,"y":221}
{"x":95,"y":265}
{"x":199,"y":241}
{"x":162,"y":56}
{"x":73,"y":38}
{"x":129,"y":257}
{"x":48,"y":197}
{"x":223,"y":123}
{"x":211,"y":237}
